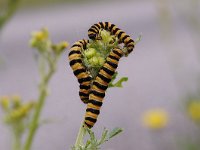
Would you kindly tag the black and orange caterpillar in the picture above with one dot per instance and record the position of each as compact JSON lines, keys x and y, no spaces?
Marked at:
{"x":99,"y":86}
{"x":76,"y":63}
{"x":93,"y":33}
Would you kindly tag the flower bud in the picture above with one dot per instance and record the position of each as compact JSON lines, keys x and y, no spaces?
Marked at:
{"x":90,"y":52}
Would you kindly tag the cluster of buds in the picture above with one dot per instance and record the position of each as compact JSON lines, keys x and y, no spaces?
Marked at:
{"x":15,"y":111}
{"x":40,"y":40}
{"x":97,"y":51}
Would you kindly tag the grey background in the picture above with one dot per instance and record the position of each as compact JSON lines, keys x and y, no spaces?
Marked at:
{"x":162,"y":71}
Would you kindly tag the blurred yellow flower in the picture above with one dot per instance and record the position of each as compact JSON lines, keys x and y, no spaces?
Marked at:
{"x":155,"y":119}
{"x":41,"y":35}
{"x":194,"y":110}
{"x":4,"y":101}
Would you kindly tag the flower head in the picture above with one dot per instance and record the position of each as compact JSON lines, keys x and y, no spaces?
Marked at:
{"x":193,"y":110}
{"x":155,"y":119}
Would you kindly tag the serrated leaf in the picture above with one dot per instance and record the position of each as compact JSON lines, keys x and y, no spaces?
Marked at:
{"x":115,"y":132}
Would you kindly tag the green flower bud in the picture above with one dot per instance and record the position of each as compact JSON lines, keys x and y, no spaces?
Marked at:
{"x":90,"y":52}
{"x":59,"y":48}
{"x":94,"y":61}
{"x":101,"y":61}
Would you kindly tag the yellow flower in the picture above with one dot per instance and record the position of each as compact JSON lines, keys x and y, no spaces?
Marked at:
{"x":155,"y":119}
{"x":41,"y":35}
{"x":194,"y":110}
{"x":4,"y":102}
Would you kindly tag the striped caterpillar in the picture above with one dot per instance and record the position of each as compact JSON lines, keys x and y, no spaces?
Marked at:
{"x":99,"y":86}
{"x":93,"y":33}
{"x":80,"y":71}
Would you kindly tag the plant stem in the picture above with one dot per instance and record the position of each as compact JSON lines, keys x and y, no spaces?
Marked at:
{"x":16,"y":143}
{"x":81,"y":134}
{"x":12,"y":6}
{"x":17,"y":134}
{"x":38,"y":109}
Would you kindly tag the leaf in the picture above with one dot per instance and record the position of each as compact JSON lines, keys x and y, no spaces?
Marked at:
{"x":103,"y":137}
{"x":119,"y":83}
{"x":115,"y":132}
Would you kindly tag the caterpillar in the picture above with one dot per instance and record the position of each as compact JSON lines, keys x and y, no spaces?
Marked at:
{"x":114,"y":30}
{"x":99,"y":86}
{"x":79,"y":70}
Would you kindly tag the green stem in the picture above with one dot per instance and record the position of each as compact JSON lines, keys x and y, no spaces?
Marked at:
{"x":16,"y":143}
{"x":17,"y":134}
{"x":12,"y":6}
{"x":81,"y":134}
{"x":38,"y":109}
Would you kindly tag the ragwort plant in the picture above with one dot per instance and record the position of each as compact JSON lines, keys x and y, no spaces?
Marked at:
{"x":24,"y":118}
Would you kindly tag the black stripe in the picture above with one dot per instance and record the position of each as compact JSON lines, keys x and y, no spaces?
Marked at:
{"x":78,"y":71}
{"x":111,"y":27}
{"x":89,"y":126}
{"x":130,"y":50}
{"x":110,"y":72}
{"x":86,"y":87}
{"x":74,"y":61}
{"x":85,"y":100}
{"x":112,"y":64}
{"x":96,"y":103}
{"x":101,"y":23}
{"x":84,"y":79}
{"x":100,"y":86}
{"x":120,"y":33}
{"x":91,"y":119}
{"x":74,"y":52}
{"x":106,"y":25}
{"x":113,"y":57}
{"x":96,"y":93}
{"x":92,"y":30}
{"x":76,"y":45}
{"x":83,"y":94}
{"x":130,"y":41}
{"x":117,"y":29}
{"x":92,"y":36}
{"x":107,"y":80}
{"x":97,"y":24}
{"x":94,"y":111}
{"x":85,"y":44}
{"x":117,"y":53}
{"x":95,"y":28}
{"x":81,"y":41}
{"x":126,"y":36}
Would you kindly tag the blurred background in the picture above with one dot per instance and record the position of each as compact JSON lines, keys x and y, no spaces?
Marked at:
{"x":155,"y":107}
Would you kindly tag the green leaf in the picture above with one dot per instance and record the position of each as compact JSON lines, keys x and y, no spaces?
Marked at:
{"x":115,"y":132}
{"x":103,"y":137}
{"x":119,"y":82}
